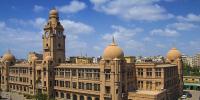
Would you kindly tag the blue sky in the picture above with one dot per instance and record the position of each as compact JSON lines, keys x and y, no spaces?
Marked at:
{"x":141,"y":27}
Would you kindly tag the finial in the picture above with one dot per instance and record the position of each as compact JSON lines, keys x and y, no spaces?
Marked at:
{"x":113,"y":39}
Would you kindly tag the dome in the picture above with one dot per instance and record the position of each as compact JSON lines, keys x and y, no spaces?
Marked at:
{"x":48,"y":58}
{"x":173,"y":54}
{"x":112,"y":51}
{"x":53,"y":12}
{"x":8,"y":56}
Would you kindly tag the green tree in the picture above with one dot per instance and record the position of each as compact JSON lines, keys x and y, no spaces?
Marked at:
{"x":40,"y":96}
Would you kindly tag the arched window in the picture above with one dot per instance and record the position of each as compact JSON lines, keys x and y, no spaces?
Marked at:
{"x":81,"y":97}
{"x":74,"y":97}
{"x":89,"y":98}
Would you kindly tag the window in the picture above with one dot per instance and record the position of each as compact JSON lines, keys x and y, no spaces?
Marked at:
{"x":158,"y":72}
{"x":88,"y":73}
{"x":44,"y":83}
{"x":67,"y":73}
{"x":59,"y":45}
{"x":140,"y":72}
{"x":81,"y":73}
{"x":61,"y":73}
{"x":62,"y":95}
{"x":158,"y":85}
{"x":56,"y":94}
{"x":73,"y":72}
{"x":67,"y":84}
{"x":44,"y":71}
{"x":97,"y":87}
{"x":68,"y":96}
{"x":74,"y":85}
{"x":81,"y":85}
{"x":149,"y":85}
{"x":96,"y":74}
{"x":56,"y":82}
{"x":89,"y":86}
{"x":107,"y":74}
{"x":61,"y":83}
{"x":149,"y":72}
{"x":140,"y":84}
{"x":107,"y":88}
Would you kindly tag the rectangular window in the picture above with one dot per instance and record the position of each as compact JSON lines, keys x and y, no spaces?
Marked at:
{"x":107,"y":74}
{"x":67,"y":84}
{"x":140,"y":84}
{"x":89,"y":73}
{"x":107,"y":88}
{"x":73,"y":72}
{"x":149,"y":85}
{"x":74,"y":85}
{"x":81,"y":85}
{"x":149,"y":72}
{"x":158,"y":85}
{"x":140,"y":72}
{"x":158,"y":72}
{"x":97,"y":87}
{"x":61,"y":83}
{"x":68,"y":96}
{"x":81,"y":73}
{"x":96,"y":74}
{"x":88,"y":86}
{"x":61,"y":73}
{"x":67,"y":73}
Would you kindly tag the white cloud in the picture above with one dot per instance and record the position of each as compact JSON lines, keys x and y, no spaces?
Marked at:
{"x":190,"y":18}
{"x":146,"y":10}
{"x":122,"y":33}
{"x":147,"y":39}
{"x":18,"y":39}
{"x":160,"y":45}
{"x":39,"y":22}
{"x":182,"y":26}
{"x":36,"y":23}
{"x":73,"y":7}
{"x":165,"y":32}
{"x":38,"y":8}
{"x":2,"y":25}
{"x":76,"y":27}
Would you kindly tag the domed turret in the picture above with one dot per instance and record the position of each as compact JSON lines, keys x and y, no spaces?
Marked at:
{"x":53,"y":12}
{"x":113,"y":51}
{"x":173,"y":54}
{"x":8,"y":56}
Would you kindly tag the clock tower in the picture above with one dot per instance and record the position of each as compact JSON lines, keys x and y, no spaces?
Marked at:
{"x":54,"y":39}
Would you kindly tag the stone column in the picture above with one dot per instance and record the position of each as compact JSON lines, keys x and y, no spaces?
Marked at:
{"x":78,"y":97}
{"x":85,"y":97}
{"x":93,"y":98}
{"x":71,"y":96}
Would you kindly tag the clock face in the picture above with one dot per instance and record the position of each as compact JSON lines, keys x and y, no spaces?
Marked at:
{"x":47,"y":34}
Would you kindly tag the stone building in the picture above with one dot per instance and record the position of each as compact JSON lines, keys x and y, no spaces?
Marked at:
{"x":113,"y":78}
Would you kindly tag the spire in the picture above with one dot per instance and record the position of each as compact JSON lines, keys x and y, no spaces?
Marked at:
{"x":113,"y":41}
